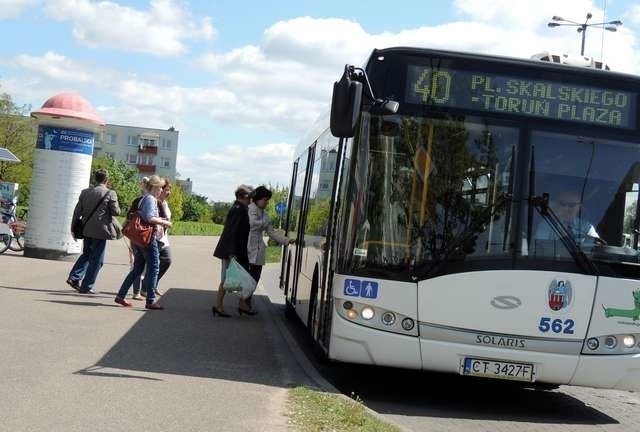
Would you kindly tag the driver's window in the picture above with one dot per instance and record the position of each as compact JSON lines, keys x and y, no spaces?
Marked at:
{"x":593,"y":202}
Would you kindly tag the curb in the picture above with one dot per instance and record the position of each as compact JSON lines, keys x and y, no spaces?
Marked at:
{"x":311,"y":372}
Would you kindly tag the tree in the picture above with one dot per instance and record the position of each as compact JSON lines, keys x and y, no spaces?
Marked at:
{"x":176,"y":201}
{"x":122,"y":179}
{"x":219,"y":212}
{"x":280,"y":194}
{"x":18,"y":134}
{"x":630,"y":217}
{"x":196,"y":208}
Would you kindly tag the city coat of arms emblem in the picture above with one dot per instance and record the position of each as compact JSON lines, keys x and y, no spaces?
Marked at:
{"x":560,"y":294}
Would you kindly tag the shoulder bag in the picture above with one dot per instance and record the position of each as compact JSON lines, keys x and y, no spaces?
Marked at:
{"x":137,"y":230}
{"x":77,"y":228}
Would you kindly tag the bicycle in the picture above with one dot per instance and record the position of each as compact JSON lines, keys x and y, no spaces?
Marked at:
{"x":11,"y":229}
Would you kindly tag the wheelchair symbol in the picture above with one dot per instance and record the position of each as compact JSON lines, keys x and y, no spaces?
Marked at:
{"x":352,"y":287}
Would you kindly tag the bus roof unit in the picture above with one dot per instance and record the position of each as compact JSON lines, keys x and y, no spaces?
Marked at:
{"x":571,"y":60}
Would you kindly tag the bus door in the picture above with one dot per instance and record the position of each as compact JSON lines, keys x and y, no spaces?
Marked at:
{"x":288,"y":232}
{"x":300,"y":200}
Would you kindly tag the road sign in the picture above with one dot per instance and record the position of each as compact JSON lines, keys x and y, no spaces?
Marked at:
{"x":281,"y":207}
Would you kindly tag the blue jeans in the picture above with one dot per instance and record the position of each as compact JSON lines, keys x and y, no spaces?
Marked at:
{"x":164,"y":256}
{"x":89,"y":263}
{"x":143,"y":257}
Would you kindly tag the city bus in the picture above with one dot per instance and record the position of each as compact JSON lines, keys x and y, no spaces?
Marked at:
{"x":471,"y":214}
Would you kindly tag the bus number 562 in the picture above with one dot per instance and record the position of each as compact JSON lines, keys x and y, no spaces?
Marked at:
{"x":556,"y":326}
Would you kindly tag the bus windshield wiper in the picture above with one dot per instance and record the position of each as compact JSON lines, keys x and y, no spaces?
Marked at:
{"x":477,"y":225}
{"x":541,"y":204}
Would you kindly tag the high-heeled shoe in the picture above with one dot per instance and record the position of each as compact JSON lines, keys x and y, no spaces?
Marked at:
{"x":246,"y":312}
{"x":215,"y":311}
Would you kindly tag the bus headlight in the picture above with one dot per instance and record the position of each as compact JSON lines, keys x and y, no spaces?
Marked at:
{"x":610,"y":342}
{"x":408,"y":324}
{"x":388,"y":318}
{"x":367,"y":313}
{"x":613,"y":344}
{"x":628,"y":341}
{"x":363,"y":314}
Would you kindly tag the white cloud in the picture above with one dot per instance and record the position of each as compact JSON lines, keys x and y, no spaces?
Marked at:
{"x":161,"y":30}
{"x":283,"y":82}
{"x":216,"y":175}
{"x":13,"y":8}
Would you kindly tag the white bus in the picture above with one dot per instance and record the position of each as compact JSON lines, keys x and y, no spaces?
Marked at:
{"x":474,"y":215}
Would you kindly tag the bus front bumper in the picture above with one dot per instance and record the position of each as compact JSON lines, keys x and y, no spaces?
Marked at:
{"x":355,"y":343}
{"x":620,"y":372}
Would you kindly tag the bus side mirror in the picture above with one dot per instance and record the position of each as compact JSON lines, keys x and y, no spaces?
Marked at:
{"x":345,"y":106}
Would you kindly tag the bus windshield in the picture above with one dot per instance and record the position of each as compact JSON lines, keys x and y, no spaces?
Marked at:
{"x":421,"y":187}
{"x":431,"y":196}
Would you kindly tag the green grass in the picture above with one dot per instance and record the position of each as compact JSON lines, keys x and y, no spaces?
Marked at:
{"x":196,"y":228}
{"x":273,"y":254}
{"x":316,"y":411}
{"x":191,"y":228}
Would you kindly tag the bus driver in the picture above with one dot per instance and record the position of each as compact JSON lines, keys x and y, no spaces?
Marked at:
{"x":567,"y":206}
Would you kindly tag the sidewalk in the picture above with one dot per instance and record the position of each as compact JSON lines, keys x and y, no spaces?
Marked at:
{"x":73,"y":362}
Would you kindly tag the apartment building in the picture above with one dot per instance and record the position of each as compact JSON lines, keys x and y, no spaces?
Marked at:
{"x":150,"y":151}
{"x":186,"y":185}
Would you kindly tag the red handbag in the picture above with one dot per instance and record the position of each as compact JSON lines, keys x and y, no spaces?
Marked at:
{"x":137,"y":230}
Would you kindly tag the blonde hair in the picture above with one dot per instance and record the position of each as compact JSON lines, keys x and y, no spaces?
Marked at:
{"x":153,"y":181}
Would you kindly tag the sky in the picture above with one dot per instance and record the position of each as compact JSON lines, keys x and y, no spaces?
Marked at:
{"x":243,"y":80}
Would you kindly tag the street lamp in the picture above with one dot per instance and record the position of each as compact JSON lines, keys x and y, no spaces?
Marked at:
{"x":582,"y":28}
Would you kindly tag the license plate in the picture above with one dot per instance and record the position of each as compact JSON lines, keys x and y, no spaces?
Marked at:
{"x":498,"y":369}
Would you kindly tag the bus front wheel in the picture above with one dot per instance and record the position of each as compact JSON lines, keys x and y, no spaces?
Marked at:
{"x":289,"y":311}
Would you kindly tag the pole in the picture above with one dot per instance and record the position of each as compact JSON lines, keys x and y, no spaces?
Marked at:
{"x":584,"y":32}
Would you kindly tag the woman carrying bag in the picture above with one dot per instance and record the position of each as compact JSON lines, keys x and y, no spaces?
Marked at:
{"x":233,"y":244}
{"x":146,"y":255}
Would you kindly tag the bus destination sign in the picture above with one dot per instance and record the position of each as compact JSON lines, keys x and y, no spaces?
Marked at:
{"x":520,"y":95}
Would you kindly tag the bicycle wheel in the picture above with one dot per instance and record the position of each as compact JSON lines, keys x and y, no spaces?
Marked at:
{"x":5,"y":242}
{"x":17,"y":243}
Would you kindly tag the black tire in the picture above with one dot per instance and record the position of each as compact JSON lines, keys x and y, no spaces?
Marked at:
{"x":17,"y":243}
{"x":319,"y":353}
{"x":313,"y":303}
{"x":289,"y":311}
{"x":5,"y":242}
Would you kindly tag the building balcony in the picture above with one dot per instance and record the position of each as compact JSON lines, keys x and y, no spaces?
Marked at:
{"x":148,"y":149}
{"x":146,"y":168}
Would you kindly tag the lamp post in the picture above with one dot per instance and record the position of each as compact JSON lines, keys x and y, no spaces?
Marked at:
{"x":557,"y":21}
